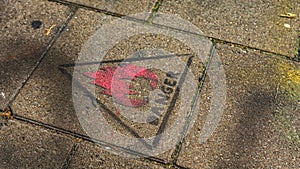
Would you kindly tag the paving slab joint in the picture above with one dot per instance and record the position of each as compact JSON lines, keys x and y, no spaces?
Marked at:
{"x":80,"y":138}
{"x":72,"y":153}
{"x":178,"y":147}
{"x":42,"y":56}
{"x":154,"y":11}
{"x":77,"y":5}
{"x":247,"y":48}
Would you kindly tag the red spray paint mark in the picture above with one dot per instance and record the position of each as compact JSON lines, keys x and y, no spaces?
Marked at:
{"x":116,"y":76}
{"x":118,"y":112}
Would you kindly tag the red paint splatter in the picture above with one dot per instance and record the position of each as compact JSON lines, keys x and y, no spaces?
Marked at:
{"x":115,"y":77}
{"x":118,"y":112}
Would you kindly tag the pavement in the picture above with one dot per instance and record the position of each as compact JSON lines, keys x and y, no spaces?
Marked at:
{"x":256,"y":43}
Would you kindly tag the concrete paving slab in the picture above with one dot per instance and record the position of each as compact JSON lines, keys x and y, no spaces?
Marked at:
{"x":260,"y":126}
{"x":120,"y":7}
{"x":90,"y":155}
{"x":47,"y":96}
{"x":121,"y":121}
{"x":251,"y":23}
{"x":250,"y":133}
{"x":24,"y":145}
{"x":23,"y":39}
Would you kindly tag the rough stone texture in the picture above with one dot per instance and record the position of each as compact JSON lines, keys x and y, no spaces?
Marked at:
{"x":251,"y":23}
{"x":260,"y":126}
{"x":118,"y":6}
{"x":21,"y":45}
{"x":47,"y":96}
{"x":138,"y":43}
{"x":24,"y":145}
{"x":250,"y":133}
{"x":92,"y":156}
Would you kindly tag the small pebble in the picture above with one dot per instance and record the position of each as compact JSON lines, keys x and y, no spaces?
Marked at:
{"x":3,"y":95}
{"x":287,"y":25}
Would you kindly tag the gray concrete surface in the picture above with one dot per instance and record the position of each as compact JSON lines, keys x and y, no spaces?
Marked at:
{"x":251,"y":23}
{"x":21,"y":45}
{"x":47,"y":97}
{"x":119,"y":7}
{"x":27,"y":146}
{"x":261,"y":122}
{"x":92,"y":156}
{"x":249,"y":133}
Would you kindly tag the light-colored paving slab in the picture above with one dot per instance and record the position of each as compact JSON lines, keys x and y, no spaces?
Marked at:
{"x":92,"y":156}
{"x":118,"y":6}
{"x":24,"y":145}
{"x":251,"y":23}
{"x":260,"y":125}
{"x":47,"y":96}
{"x":21,"y":45}
{"x":253,"y":132}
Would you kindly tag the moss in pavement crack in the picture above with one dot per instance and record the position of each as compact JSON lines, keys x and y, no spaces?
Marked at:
{"x":154,"y":11}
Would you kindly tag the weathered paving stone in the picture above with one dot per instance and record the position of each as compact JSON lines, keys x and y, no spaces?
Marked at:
{"x":24,"y":145}
{"x":21,"y":45}
{"x":47,"y":96}
{"x":251,"y":23}
{"x":259,"y":127}
{"x":121,"y":7}
{"x":91,"y":155}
